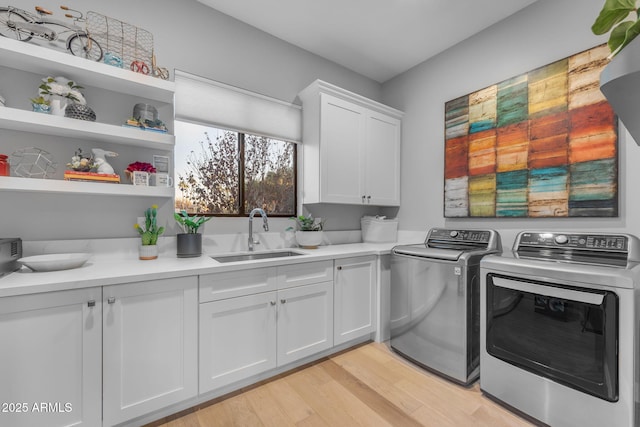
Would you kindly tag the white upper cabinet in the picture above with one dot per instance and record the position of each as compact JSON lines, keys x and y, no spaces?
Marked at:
{"x":351,"y":148}
{"x":110,"y":91}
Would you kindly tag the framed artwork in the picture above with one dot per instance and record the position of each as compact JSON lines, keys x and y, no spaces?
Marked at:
{"x":161,"y":163}
{"x":542,"y":144}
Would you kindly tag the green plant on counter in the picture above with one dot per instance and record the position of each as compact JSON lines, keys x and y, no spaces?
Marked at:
{"x":150,"y":231}
{"x":308,"y":223}
{"x":611,"y":19}
{"x":189,"y":224}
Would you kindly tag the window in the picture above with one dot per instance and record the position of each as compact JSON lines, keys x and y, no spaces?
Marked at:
{"x":221,"y":172}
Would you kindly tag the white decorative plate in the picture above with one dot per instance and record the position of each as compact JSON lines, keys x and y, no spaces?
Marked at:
{"x":54,"y":262}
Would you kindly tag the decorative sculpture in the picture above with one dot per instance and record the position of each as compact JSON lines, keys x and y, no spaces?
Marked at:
{"x":99,"y":158}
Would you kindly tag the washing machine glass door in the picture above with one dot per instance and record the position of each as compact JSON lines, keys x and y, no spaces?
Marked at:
{"x":563,"y":333}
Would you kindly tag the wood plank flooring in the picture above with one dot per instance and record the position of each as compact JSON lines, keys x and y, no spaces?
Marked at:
{"x":366,"y":386}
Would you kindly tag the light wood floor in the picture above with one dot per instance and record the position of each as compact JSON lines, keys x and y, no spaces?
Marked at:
{"x":367,"y":386}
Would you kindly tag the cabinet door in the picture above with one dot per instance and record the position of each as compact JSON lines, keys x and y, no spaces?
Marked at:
{"x":305,"y":321}
{"x":342,"y":130}
{"x":237,"y":339}
{"x":355,"y":298}
{"x":382,"y":160}
{"x":150,"y":346}
{"x":51,"y":370}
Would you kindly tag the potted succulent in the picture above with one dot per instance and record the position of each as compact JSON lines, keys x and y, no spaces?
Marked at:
{"x":149,"y":234}
{"x":40,"y":105}
{"x":309,"y":231}
{"x":189,"y":242}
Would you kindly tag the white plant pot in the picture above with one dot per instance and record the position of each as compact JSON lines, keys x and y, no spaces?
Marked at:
{"x":146,"y":252}
{"x":309,"y":239}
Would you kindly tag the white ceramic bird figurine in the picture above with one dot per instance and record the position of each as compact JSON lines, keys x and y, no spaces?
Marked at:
{"x":99,"y":158}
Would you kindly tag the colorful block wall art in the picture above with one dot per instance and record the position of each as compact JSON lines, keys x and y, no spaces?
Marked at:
{"x":543,"y":144}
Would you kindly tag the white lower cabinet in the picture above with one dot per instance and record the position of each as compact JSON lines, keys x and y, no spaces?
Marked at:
{"x":247,"y":335}
{"x":237,"y":339}
{"x":150,"y":346}
{"x":355,"y":298}
{"x":305,"y":321}
{"x":51,"y":359}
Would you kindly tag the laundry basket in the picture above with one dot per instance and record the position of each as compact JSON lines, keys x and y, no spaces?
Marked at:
{"x":379,"y":229}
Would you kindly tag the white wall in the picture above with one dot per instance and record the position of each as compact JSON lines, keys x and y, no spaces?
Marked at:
{"x":196,"y":39}
{"x":546,"y":31}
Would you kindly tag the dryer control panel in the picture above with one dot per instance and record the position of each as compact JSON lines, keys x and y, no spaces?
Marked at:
{"x":592,"y":248}
{"x":614,"y":242}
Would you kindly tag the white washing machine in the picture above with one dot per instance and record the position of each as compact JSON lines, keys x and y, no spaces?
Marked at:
{"x":559,"y":328}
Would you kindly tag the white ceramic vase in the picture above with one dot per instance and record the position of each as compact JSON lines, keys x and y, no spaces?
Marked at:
{"x":58,"y":105}
{"x":146,"y":252}
{"x":309,"y":239}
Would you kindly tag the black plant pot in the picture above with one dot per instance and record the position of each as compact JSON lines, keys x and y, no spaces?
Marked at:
{"x":189,"y":245}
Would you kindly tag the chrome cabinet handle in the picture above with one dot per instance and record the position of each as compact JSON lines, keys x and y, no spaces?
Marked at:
{"x":363,"y":197}
{"x":91,"y":303}
{"x":111,"y":300}
{"x":339,"y":267}
{"x":282,"y":301}
{"x":368,"y":199}
{"x":272,"y":302}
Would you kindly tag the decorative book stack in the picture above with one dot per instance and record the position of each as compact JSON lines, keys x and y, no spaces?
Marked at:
{"x":71,"y":175}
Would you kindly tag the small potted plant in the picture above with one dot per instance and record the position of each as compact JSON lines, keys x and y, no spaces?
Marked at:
{"x":189,"y":242}
{"x":40,"y":105}
{"x":149,"y":234}
{"x":139,"y":172}
{"x":81,"y":162}
{"x":309,"y":231}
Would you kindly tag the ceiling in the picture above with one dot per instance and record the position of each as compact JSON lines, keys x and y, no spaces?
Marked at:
{"x":376,"y":38}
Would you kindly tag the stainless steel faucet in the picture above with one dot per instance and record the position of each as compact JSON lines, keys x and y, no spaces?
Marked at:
{"x":265,"y":225}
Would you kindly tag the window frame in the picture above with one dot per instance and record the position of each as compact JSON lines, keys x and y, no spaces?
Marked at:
{"x":243,"y":212}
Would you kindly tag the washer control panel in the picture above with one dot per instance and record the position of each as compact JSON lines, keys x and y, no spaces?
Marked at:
{"x":481,"y":236}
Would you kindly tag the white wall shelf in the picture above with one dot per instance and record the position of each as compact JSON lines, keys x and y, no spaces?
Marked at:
{"x":30,"y":57}
{"x":34,"y":58}
{"x":46,"y":124}
{"x":79,"y":187}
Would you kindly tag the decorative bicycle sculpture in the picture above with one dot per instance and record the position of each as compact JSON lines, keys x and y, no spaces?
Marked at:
{"x":22,"y":25}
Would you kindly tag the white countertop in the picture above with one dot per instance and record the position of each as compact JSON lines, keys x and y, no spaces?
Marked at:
{"x":118,"y":268}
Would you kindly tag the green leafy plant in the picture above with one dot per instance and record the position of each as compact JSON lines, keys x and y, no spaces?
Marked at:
{"x":63,"y":87}
{"x":308,"y":223}
{"x":39,"y":100}
{"x":190,"y":224}
{"x":150,"y":231}
{"x":611,"y":18}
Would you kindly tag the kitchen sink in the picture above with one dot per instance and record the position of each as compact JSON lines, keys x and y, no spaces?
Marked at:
{"x":255,"y":256}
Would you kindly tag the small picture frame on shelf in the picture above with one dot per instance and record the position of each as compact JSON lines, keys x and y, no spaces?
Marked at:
{"x":161,"y":163}
{"x":140,"y":178}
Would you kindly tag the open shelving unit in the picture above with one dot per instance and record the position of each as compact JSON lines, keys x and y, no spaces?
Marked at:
{"x":37,"y":59}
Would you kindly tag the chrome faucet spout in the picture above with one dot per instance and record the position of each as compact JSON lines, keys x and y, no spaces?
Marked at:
{"x":251,"y":242}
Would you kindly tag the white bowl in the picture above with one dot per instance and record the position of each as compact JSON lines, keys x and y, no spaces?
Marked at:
{"x":54,"y":262}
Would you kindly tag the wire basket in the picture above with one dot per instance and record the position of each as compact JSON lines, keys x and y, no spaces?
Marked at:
{"x":125,"y":45}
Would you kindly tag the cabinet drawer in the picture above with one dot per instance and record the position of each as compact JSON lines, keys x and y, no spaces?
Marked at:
{"x":214,"y":287}
{"x":304,"y":274}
